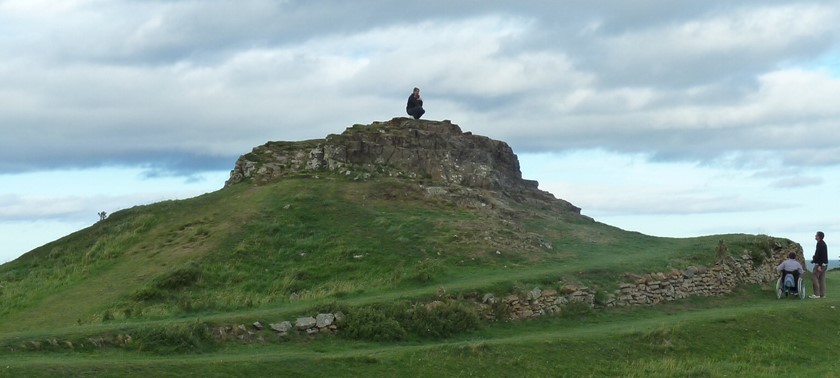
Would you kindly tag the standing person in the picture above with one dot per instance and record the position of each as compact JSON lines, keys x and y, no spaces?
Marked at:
{"x":820,"y":261}
{"x":414,"y":107}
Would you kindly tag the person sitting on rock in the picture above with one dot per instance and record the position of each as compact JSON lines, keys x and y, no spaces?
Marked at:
{"x":790,"y":266}
{"x":414,"y":107}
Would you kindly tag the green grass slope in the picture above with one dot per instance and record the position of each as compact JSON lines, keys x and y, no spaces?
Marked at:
{"x":746,"y":334}
{"x":165,"y":271}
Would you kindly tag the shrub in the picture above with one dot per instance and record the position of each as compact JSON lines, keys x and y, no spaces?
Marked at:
{"x":500,"y":310}
{"x":192,"y":337}
{"x":427,"y":269}
{"x":373,"y":324}
{"x":601,"y":298}
{"x":758,"y":256}
{"x":444,"y":320}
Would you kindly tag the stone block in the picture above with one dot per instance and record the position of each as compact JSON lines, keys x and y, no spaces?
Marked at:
{"x":305,"y":323}
{"x":324,"y":320}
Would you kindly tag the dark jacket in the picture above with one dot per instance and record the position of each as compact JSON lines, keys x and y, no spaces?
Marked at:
{"x":821,"y":254}
{"x":413,"y":102}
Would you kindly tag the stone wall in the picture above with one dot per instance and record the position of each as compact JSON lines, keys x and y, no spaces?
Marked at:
{"x":307,"y":325}
{"x":650,"y":289}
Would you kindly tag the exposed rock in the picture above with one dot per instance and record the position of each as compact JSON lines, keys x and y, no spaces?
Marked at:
{"x":437,"y":153}
{"x":324,"y":320}
{"x":305,"y":323}
{"x":488,"y":298}
{"x":284,"y":326}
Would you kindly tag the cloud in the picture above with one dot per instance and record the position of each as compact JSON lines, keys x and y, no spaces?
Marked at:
{"x":67,"y":208}
{"x":15,"y":208}
{"x":797,"y":182}
{"x":182,"y":87}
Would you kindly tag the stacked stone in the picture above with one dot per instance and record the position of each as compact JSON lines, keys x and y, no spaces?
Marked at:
{"x":321,"y":323}
{"x":533,"y":304}
{"x":649,"y":289}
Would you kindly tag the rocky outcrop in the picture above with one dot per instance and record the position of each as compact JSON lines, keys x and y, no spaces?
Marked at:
{"x":434,"y":153}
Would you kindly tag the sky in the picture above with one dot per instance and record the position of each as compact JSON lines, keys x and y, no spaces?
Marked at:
{"x":674,"y":119}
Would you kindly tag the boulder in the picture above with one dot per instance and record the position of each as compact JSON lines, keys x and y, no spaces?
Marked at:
{"x":324,"y":320}
{"x":284,"y":326}
{"x":305,"y":323}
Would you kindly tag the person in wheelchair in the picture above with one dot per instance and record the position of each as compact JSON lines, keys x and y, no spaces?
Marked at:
{"x":790,"y":266}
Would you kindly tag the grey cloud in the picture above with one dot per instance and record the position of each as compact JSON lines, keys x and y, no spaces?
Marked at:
{"x":184,"y":86}
{"x":797,"y":182}
{"x":23,"y":208}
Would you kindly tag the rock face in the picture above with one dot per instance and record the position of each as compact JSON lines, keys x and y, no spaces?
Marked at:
{"x":432,"y":152}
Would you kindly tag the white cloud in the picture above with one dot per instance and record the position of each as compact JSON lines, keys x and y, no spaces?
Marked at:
{"x":83,"y":193}
{"x":755,"y":30}
{"x":36,"y":8}
{"x":20,"y":207}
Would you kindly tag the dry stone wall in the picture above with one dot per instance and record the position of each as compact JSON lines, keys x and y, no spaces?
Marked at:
{"x":306,"y":325}
{"x":650,"y":289}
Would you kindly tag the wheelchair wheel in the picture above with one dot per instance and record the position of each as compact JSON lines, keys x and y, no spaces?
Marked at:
{"x":800,"y":288}
{"x":779,"y":288}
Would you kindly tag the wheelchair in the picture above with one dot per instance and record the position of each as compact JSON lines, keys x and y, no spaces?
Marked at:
{"x":786,"y":286}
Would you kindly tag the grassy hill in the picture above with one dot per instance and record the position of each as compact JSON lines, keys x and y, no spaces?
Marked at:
{"x":138,"y":293}
{"x":320,"y":239}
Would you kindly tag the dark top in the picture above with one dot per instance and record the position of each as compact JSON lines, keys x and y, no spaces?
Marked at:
{"x":821,"y":254}
{"x":413,"y":102}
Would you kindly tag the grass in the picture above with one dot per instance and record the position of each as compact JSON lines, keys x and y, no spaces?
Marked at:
{"x":164,"y":273}
{"x":748,"y":333}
